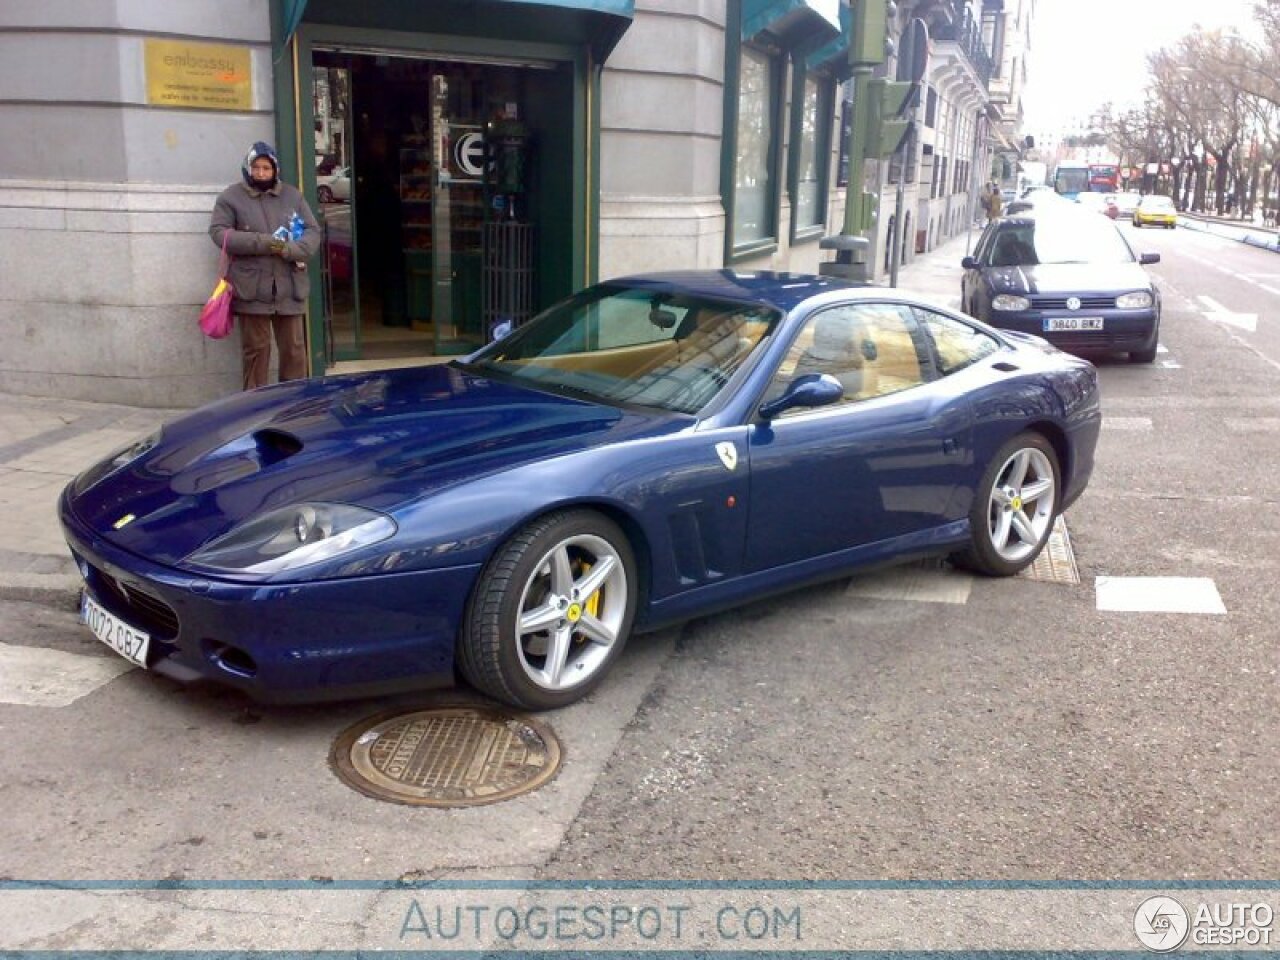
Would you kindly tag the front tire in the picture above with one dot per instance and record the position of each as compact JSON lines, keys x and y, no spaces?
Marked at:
{"x":1014,"y":508}
{"x":551,"y":612}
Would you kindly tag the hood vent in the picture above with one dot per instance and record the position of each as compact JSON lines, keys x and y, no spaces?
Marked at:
{"x":275,"y":445}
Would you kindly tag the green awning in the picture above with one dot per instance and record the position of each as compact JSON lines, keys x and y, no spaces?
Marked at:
{"x":835,"y":55}
{"x":600,"y":23}
{"x":607,"y":20}
{"x":802,"y":23}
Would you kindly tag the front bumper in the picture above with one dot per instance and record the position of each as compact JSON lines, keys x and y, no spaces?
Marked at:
{"x":1121,"y":329}
{"x":328,"y":639}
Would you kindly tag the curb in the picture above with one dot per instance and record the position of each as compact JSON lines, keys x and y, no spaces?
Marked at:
{"x":58,"y":590}
{"x":1272,"y":245}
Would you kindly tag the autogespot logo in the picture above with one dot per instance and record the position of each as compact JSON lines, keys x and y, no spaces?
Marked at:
{"x":1161,"y":924}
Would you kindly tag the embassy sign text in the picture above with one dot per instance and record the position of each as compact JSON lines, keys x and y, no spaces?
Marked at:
{"x":202,"y":76}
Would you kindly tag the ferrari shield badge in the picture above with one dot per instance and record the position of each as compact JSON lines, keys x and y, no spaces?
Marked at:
{"x":728,"y":454}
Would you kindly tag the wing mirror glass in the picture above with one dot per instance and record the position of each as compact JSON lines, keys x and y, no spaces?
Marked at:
{"x":1146,"y":258}
{"x":662,"y":319}
{"x":807,"y":390}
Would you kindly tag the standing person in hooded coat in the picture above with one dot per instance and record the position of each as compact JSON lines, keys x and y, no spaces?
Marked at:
{"x":270,"y":234}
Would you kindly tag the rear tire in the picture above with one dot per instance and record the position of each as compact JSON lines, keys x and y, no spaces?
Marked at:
{"x":1013,"y":508}
{"x":551,"y":612}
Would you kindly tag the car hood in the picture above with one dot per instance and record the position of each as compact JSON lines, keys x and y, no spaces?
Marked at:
{"x":376,"y":440}
{"x":1068,"y":278}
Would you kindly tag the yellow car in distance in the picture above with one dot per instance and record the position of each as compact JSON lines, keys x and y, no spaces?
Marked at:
{"x":1154,"y":210}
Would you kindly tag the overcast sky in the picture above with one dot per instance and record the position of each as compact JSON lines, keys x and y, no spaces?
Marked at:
{"x":1087,"y":52}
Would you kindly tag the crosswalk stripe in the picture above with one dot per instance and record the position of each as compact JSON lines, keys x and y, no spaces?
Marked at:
{"x":39,"y":677}
{"x":1159,"y":595}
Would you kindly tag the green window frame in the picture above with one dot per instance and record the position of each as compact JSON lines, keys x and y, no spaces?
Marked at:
{"x":813,"y":110}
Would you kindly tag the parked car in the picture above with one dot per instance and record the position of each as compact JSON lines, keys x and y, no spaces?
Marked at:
{"x":652,"y":449}
{"x":1035,"y":198}
{"x":1156,"y":211}
{"x":334,"y":187}
{"x":1126,"y":203}
{"x":1104,"y":203}
{"x":1067,"y":276}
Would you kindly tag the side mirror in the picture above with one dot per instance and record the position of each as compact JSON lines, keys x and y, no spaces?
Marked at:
{"x":807,"y":390}
{"x":969,"y":263}
{"x":662,"y":319}
{"x":1146,"y":258}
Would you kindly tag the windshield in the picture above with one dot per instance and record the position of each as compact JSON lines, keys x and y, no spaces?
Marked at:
{"x":1075,"y":239}
{"x":1071,"y":180}
{"x":630,"y":345}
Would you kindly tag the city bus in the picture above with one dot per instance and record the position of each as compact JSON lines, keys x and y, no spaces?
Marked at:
{"x":1071,"y":179}
{"x":1104,"y":177}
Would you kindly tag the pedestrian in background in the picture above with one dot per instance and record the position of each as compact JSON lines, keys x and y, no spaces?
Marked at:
{"x":270,"y":234}
{"x":995,"y":203}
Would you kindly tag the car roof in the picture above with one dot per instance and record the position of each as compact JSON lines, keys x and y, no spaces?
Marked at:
{"x":785,"y":291}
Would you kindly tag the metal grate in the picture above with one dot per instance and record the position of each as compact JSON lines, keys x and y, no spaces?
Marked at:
{"x":1057,"y":561}
{"x":507,"y":274}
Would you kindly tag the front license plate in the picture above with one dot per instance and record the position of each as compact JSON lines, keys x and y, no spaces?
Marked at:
{"x":1058,"y":324}
{"x":130,"y":643}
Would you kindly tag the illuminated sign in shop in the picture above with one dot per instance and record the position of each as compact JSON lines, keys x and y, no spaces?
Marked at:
{"x":202,"y":76}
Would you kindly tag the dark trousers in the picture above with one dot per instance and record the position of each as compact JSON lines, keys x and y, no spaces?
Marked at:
{"x":256,"y":330}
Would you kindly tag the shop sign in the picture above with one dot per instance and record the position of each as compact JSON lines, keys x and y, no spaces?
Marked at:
{"x":204,"y":76}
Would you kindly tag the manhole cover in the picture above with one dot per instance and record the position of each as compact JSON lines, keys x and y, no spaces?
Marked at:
{"x":446,"y":756}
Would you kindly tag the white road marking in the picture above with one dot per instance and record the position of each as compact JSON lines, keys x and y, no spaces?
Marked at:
{"x":1213,"y":310}
{"x":1253,"y":424}
{"x":1126,"y":423}
{"x":1170,"y":365}
{"x":1159,"y":595}
{"x":38,"y":677}
{"x":1269,"y":289}
{"x":1161,"y":348}
{"x":913,"y":583}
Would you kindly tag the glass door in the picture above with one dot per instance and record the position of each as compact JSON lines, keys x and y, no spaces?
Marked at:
{"x":458,"y":205}
{"x":335,"y":204}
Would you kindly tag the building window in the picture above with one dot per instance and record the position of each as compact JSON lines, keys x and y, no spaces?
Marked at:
{"x":811,"y":156}
{"x":755,"y":188}
{"x":931,"y":109}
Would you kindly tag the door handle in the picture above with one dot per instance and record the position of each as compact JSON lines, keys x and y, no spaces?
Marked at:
{"x":950,"y":445}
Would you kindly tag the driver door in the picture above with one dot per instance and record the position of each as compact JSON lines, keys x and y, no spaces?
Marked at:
{"x":879,"y":465}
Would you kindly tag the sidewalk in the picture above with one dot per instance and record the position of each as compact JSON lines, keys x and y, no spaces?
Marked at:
{"x":1267,"y":238}
{"x":45,"y":442}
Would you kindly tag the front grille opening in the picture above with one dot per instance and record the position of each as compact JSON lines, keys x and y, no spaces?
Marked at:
{"x":137,"y":607}
{"x":233,"y":660}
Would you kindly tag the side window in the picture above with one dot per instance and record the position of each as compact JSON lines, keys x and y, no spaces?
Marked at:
{"x":873,"y":349}
{"x":956,"y":345}
{"x":757,"y":144}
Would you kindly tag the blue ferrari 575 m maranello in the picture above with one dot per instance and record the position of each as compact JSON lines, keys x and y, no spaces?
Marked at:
{"x":652,"y":449}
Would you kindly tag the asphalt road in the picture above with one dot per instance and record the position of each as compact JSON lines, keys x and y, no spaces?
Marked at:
{"x":1021,"y":733}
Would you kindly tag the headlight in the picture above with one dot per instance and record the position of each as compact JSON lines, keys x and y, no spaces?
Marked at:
{"x":1134,"y":301}
{"x":1009,"y":301}
{"x":121,"y":458}
{"x":294,"y":537}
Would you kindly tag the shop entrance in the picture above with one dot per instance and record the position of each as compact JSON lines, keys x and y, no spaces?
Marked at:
{"x":432,"y":186}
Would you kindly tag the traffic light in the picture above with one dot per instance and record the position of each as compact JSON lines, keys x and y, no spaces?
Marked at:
{"x":870,"y":30}
{"x":890,"y":102}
